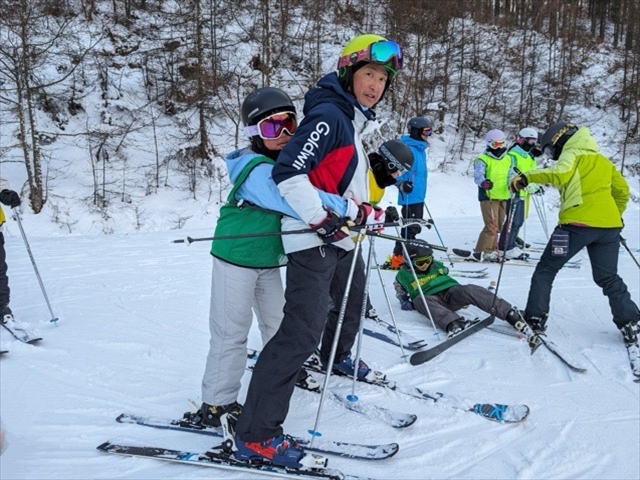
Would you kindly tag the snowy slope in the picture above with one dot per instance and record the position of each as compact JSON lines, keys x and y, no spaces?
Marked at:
{"x":133,"y":336}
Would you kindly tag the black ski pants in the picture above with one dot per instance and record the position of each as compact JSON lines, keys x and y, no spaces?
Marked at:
{"x":315,"y":286}
{"x":412,"y":210}
{"x":603,"y":247}
{"x":4,"y":279}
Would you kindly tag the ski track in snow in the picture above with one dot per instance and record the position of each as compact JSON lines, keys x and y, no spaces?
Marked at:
{"x":133,"y":336}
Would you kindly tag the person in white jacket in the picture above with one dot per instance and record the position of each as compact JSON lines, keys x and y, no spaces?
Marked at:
{"x":11,"y":199}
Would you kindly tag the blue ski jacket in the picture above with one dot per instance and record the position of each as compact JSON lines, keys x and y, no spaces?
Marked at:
{"x":418,"y":173}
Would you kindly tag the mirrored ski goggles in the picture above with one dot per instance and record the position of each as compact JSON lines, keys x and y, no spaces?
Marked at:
{"x":273,"y":126}
{"x":426,"y":132}
{"x":496,"y":144}
{"x":527,"y":141}
{"x":423,"y":261}
{"x":384,"y":52}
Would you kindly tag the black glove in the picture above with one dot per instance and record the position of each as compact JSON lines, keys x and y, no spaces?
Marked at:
{"x":486,"y":185}
{"x":391,"y":214}
{"x":406,"y":186}
{"x":518,"y":183}
{"x":10,"y":198}
{"x":332,"y":228}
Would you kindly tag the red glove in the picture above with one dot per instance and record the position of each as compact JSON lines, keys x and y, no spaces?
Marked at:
{"x":332,"y":228}
{"x":369,"y":215}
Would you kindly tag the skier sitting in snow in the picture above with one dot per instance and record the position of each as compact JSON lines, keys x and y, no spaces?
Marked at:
{"x":444,"y":295}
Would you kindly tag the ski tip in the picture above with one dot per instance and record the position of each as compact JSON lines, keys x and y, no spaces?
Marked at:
{"x":34,"y":341}
{"x":104,"y":446}
{"x":409,"y":420}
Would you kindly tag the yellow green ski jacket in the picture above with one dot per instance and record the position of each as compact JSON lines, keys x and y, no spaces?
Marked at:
{"x":592,"y":190}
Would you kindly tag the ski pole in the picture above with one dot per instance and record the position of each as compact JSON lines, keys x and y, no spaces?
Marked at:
{"x":54,"y":319}
{"x":415,"y":276}
{"x":386,"y":296}
{"x":541,"y":215}
{"x":623,"y":241}
{"x":353,"y":397}
{"x":511,"y":214}
{"x":435,"y":227}
{"x":455,"y":251}
{"x":424,"y":299}
{"x":336,"y":336}
{"x":190,"y":240}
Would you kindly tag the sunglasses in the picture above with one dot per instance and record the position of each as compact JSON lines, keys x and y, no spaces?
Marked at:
{"x":426,"y":132}
{"x":423,"y":261}
{"x":496,"y":144}
{"x":273,"y":126}
{"x":384,"y":52}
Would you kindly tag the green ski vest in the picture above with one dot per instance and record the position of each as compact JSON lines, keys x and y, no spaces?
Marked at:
{"x":498,"y":173}
{"x":237,"y":218}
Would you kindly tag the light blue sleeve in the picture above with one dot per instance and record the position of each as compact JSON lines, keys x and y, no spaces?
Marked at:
{"x":260,"y":189}
{"x":479,"y":172}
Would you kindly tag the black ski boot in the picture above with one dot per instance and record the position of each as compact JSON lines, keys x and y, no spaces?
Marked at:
{"x":459,"y":325}
{"x":6,"y":315}
{"x":211,"y":414}
{"x":455,"y":327}
{"x":630,"y":334}
{"x":306,"y":381}
{"x":516,"y":319}
{"x":538,"y":324}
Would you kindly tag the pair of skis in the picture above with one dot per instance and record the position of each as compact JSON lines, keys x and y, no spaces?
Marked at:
{"x":219,"y":457}
{"x":20,"y":333}
{"x":222,"y":458}
{"x":429,"y":354}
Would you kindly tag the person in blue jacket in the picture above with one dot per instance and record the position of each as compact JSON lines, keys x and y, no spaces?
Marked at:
{"x":412,"y":185}
{"x":326,"y":153}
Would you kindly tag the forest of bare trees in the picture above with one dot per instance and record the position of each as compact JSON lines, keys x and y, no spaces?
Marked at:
{"x":115,"y":79}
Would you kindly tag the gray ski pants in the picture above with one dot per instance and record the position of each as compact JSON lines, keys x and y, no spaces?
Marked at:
{"x":236,"y":294}
{"x":443,"y":305}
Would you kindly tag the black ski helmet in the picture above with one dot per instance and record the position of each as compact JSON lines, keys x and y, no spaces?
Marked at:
{"x":386,"y":161}
{"x":396,"y":152}
{"x":264,"y":101}
{"x":259,"y":104}
{"x":416,"y":125}
{"x":553,"y":139}
{"x":417,"y":248}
